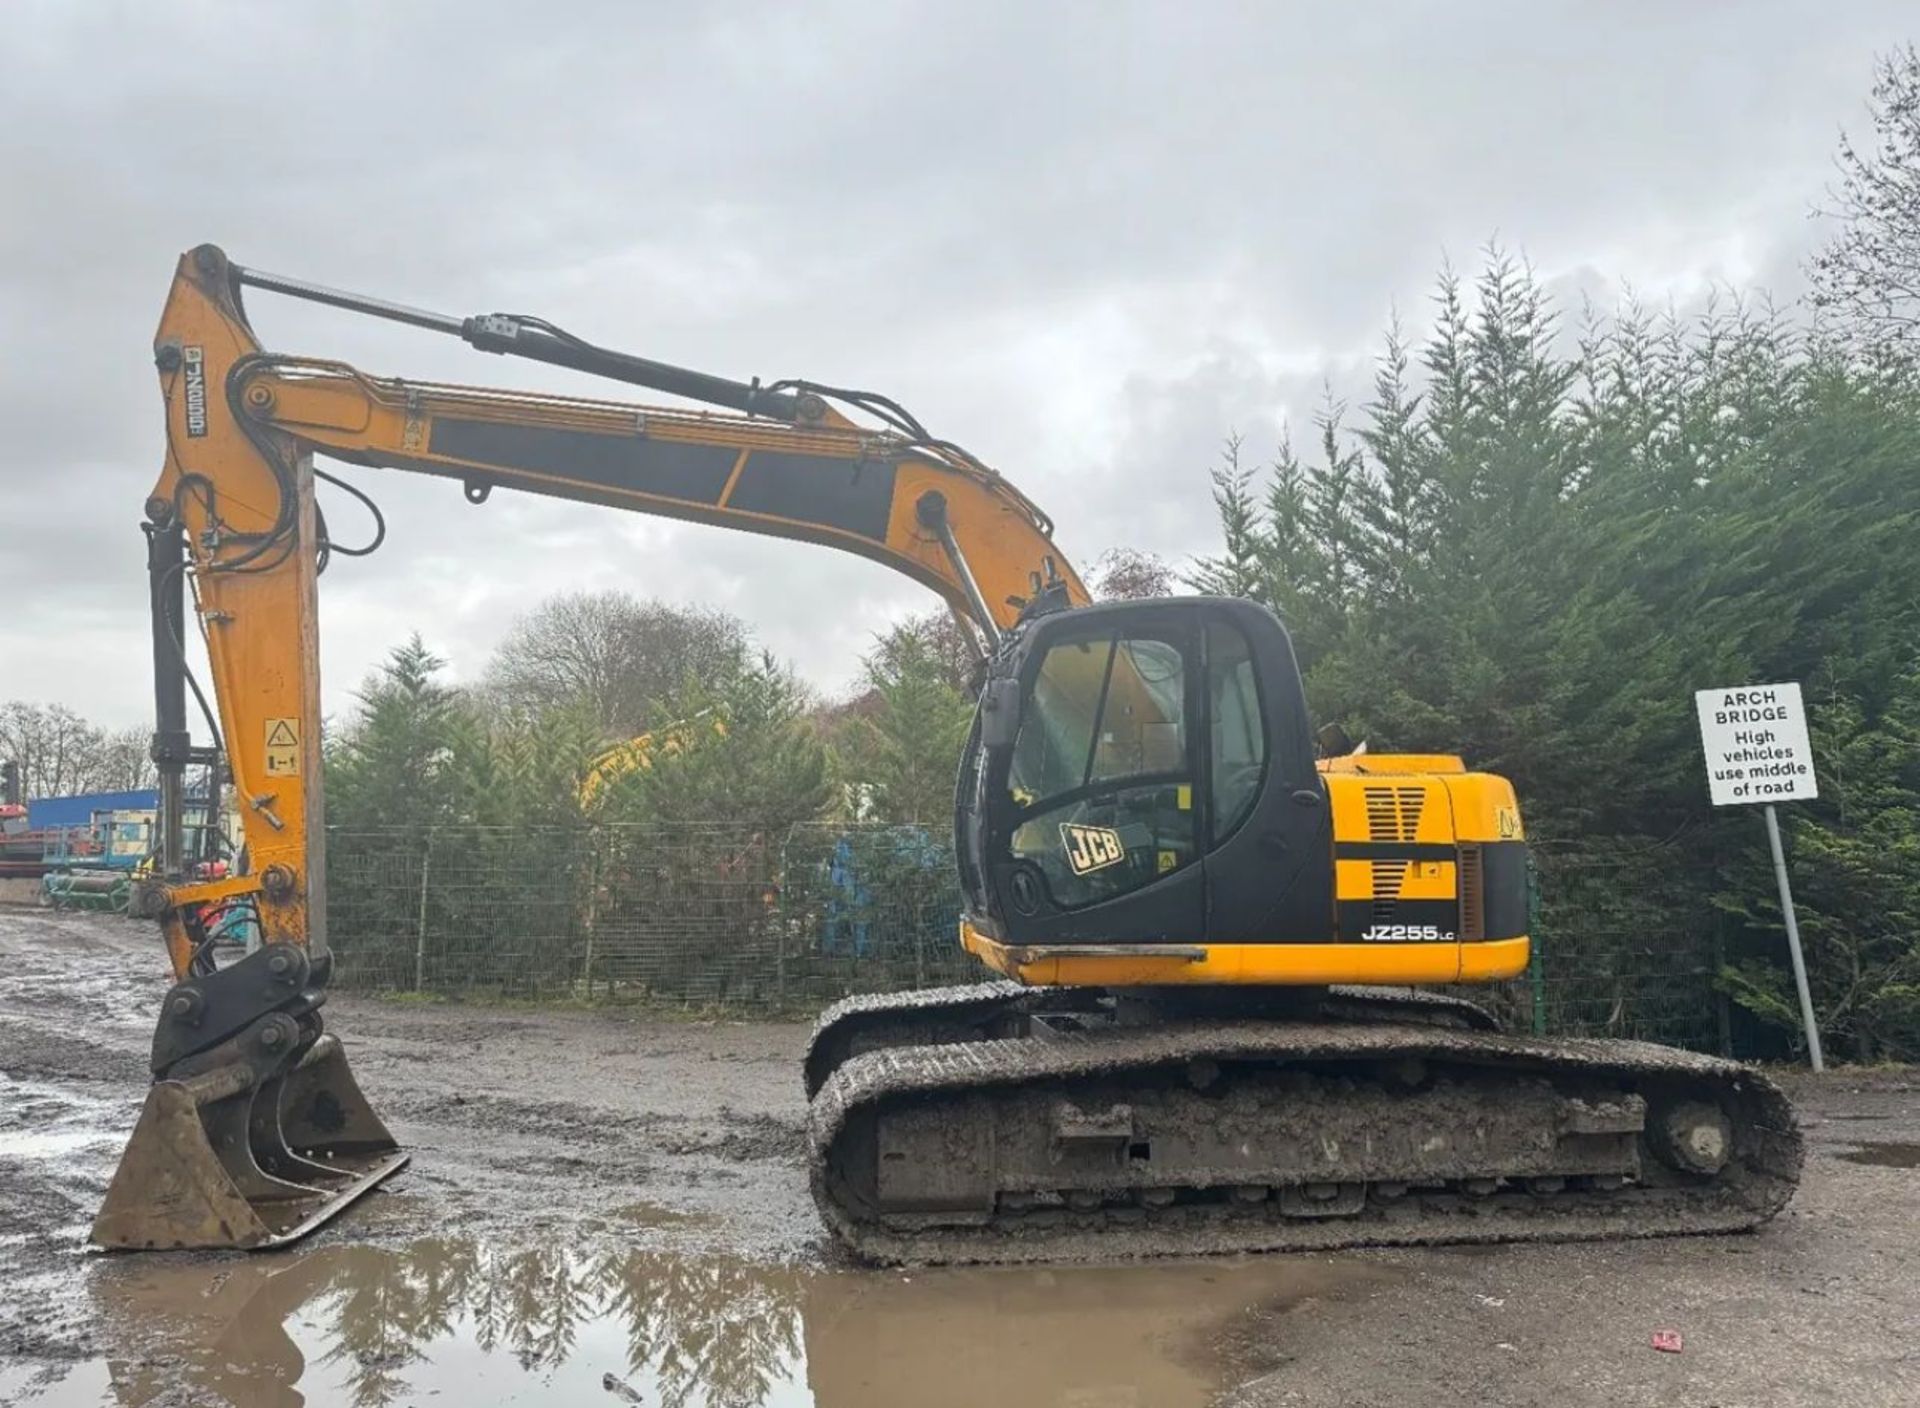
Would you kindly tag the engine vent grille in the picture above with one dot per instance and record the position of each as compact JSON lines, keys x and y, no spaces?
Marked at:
{"x":1473,"y":896}
{"x":1393,"y":813}
{"x":1388,"y":878}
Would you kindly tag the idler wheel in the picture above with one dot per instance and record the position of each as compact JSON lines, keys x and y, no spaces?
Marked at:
{"x":1694,"y":1137}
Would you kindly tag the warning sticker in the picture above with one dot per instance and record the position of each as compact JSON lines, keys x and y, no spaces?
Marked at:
{"x":283,"y":747}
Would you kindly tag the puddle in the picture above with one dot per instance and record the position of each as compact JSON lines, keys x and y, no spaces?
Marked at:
{"x":1884,"y":1155}
{"x":457,"y":1322}
{"x":44,"y":1122}
{"x":45,"y":1144}
{"x":654,"y":1215}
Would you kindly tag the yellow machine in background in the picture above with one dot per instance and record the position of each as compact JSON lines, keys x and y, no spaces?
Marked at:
{"x":1148,"y":846}
{"x":637,"y":754}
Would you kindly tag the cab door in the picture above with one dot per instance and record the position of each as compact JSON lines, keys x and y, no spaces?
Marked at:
{"x":1095,"y":831}
{"x":1268,"y":821}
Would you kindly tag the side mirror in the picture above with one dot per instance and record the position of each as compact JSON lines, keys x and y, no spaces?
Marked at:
{"x":1333,"y":741}
{"x":999,"y":714}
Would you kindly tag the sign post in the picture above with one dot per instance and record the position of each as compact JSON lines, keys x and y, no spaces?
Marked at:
{"x":1757,"y":753}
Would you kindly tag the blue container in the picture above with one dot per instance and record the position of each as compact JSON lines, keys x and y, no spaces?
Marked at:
{"x":47,"y":812}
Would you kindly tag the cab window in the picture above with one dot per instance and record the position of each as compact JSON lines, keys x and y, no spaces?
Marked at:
{"x":1237,"y":759}
{"x":1100,"y":776}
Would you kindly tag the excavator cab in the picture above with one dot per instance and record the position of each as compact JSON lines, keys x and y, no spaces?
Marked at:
{"x":1142,"y":806}
{"x":1142,"y":783}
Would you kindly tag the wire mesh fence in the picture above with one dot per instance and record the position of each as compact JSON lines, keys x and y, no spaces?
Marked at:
{"x":780,"y":920}
{"x":720,"y":914}
{"x":1625,"y":946}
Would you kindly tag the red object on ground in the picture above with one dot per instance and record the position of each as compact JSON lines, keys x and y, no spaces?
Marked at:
{"x":1667,"y":1341}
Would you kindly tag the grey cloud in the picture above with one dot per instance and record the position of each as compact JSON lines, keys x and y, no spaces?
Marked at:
{"x":1086,"y":239}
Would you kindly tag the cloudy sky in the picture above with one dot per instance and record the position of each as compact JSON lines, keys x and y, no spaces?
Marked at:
{"x":1085,"y":240}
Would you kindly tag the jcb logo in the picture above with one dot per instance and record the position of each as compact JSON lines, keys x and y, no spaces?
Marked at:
{"x":1091,"y":848}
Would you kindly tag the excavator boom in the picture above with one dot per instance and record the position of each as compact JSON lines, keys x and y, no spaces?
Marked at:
{"x":255,"y":1131}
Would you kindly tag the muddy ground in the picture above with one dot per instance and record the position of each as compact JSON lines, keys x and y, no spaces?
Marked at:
{"x":604,"y":1207}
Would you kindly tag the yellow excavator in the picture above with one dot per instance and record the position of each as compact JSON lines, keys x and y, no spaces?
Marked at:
{"x":1213,"y":1028}
{"x":637,"y":754}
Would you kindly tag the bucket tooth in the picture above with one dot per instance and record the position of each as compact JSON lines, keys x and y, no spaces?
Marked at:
{"x":222,"y":1159}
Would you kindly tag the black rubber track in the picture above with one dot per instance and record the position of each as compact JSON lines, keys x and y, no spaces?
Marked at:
{"x":1756,"y":1184}
{"x":926,"y":1011}
{"x":931,"y":1016}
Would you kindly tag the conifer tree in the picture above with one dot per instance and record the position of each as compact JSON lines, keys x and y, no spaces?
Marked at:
{"x":901,"y":757}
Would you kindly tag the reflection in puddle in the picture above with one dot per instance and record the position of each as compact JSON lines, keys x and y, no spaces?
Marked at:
{"x":1885,"y":1155}
{"x":451,"y":1319}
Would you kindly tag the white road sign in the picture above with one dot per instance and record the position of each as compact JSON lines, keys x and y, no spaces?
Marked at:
{"x":1756,"y":744}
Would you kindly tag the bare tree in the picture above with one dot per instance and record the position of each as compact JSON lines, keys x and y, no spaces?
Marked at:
{"x":1131,"y":574}
{"x":123,"y":761}
{"x":61,"y":754}
{"x":51,"y":743}
{"x":614,"y":653}
{"x":1868,"y":277}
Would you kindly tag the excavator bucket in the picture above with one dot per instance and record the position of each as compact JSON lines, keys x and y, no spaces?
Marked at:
{"x":224,"y":1158}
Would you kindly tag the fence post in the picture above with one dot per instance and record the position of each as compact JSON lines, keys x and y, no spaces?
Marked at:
{"x":593,"y":903}
{"x":1536,"y":959}
{"x":919,"y":947}
{"x":420,"y":934}
{"x":1722,"y":1004}
{"x":782,"y":920}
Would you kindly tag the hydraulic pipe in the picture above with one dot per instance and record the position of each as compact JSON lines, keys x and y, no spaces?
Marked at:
{"x":172,"y":744}
{"x":514,"y":336}
{"x":931,"y":511}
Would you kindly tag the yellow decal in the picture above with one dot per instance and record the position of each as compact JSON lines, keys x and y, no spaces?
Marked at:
{"x":1168,"y":861}
{"x":1185,"y":799}
{"x":283,"y":747}
{"x":1506,"y":822}
{"x":1091,"y":848}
